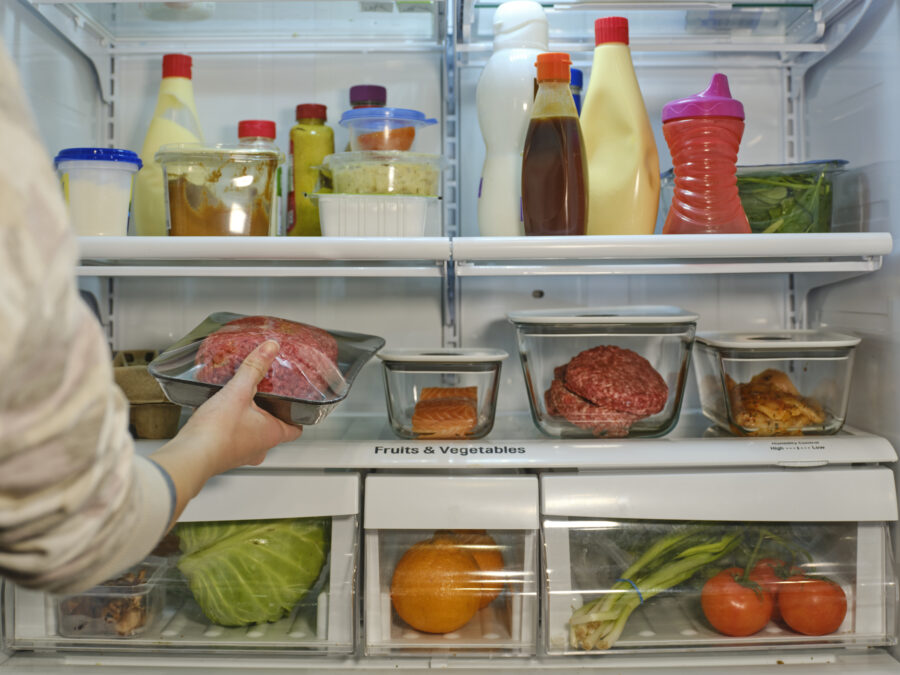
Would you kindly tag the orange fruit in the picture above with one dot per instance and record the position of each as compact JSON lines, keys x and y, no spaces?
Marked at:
{"x":487,"y":554}
{"x":432,"y":588}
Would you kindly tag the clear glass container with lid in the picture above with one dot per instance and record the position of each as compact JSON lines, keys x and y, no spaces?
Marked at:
{"x":775,"y":383}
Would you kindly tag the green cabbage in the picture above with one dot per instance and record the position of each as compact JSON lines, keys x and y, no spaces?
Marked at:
{"x":252,"y":571}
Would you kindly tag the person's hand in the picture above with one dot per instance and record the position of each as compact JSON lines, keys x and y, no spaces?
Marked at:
{"x":227,"y":431}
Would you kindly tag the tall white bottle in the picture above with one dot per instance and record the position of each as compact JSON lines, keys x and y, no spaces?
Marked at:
{"x":504,"y":98}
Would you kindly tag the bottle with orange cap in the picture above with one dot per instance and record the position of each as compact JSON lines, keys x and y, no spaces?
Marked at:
{"x":554,"y":171}
{"x":311,"y":141}
{"x":174,"y":121}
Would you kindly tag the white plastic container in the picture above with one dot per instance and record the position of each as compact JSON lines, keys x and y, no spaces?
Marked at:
{"x":504,"y":99}
{"x":378,"y":215}
{"x":96,"y":184}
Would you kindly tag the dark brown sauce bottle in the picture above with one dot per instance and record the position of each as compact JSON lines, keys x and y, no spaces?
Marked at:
{"x":554,"y":200}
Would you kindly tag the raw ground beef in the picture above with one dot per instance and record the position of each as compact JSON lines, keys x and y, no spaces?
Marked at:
{"x":617,"y":379}
{"x":305,"y":368}
{"x":606,"y":389}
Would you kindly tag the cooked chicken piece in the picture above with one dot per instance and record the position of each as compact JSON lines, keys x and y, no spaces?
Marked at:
{"x":770,"y":405}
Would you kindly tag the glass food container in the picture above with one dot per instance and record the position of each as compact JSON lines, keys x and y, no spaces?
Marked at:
{"x":776,"y":383}
{"x":616,"y":372}
{"x":385,"y":172}
{"x":220,"y":190}
{"x":442,"y":393}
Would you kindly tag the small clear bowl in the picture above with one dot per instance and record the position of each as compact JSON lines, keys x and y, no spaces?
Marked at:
{"x":442,"y":393}
{"x":123,"y":607}
{"x":385,"y":173}
{"x":611,"y":390}
{"x":383,"y":128}
{"x":775,"y":383}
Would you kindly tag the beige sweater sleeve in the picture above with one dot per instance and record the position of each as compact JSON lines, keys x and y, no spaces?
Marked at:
{"x":76,"y":504}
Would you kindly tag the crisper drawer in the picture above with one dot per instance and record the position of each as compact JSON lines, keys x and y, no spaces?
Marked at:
{"x":451,"y":564}
{"x":259,"y":561}
{"x":718,"y":560}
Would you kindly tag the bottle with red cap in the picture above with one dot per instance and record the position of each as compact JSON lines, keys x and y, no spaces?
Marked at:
{"x":311,"y":141}
{"x":623,"y":164}
{"x":554,"y":172}
{"x":704,"y":133}
{"x":174,"y":120}
{"x":261,"y":134}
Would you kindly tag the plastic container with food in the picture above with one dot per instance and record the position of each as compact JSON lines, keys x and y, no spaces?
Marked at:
{"x":378,"y":215}
{"x":781,"y":197}
{"x":383,"y":128}
{"x":442,"y":393}
{"x":219,"y":190}
{"x":605,"y":372}
{"x":310,"y":376}
{"x":385,"y":172}
{"x":122,"y":607}
{"x":96,"y":185}
{"x":775,"y":383}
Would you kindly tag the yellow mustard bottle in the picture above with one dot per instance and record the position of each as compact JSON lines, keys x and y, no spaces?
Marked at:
{"x":174,"y":121}
{"x":623,"y":164}
{"x":311,"y":142}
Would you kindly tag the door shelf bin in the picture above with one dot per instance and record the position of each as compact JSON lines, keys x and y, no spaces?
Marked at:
{"x":451,"y":564}
{"x":215,"y":587}
{"x":830,"y":524}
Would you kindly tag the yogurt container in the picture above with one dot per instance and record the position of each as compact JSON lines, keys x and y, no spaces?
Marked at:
{"x":96,"y":184}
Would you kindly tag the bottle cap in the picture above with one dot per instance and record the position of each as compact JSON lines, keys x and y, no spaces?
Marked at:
{"x":256,"y":128}
{"x":577,"y":78}
{"x":611,"y":29}
{"x":553,"y":66}
{"x":520,"y":24}
{"x":372,"y":94}
{"x":177,"y":65}
{"x":714,"y":101}
{"x":311,"y":111}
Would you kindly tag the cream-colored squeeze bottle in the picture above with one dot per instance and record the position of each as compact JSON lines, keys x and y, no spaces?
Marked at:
{"x":623,"y":165}
{"x":174,"y":121}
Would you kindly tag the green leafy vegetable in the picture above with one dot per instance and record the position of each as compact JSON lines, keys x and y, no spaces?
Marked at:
{"x":251,"y":571}
{"x":787,"y":202}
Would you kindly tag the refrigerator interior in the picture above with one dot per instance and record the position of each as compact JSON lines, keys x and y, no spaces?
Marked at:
{"x":819,"y":80}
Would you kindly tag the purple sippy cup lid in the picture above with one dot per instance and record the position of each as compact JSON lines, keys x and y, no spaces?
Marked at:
{"x":714,"y":101}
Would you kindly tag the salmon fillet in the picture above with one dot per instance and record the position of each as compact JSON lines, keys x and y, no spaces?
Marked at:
{"x":446,"y":412}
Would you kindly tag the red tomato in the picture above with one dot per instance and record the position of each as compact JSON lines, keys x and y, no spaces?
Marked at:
{"x":766,"y":573}
{"x":812,"y":606}
{"x":733,"y":608}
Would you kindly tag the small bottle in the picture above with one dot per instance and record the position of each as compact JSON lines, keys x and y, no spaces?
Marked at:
{"x":623,"y":164}
{"x":504,"y":97}
{"x":366,"y":96}
{"x":704,"y":133}
{"x":554,"y":171}
{"x":311,"y":142}
{"x":174,"y":121}
{"x":575,"y":85}
{"x":261,"y":133}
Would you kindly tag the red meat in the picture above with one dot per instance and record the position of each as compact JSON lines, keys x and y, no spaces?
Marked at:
{"x":305,"y":368}
{"x":584,"y":414}
{"x":617,"y":379}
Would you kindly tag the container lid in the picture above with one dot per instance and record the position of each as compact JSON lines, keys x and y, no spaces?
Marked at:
{"x":576,"y":77}
{"x":315,"y":111}
{"x":374,"y":114}
{"x":442,"y":355}
{"x":367,"y":93}
{"x":385,"y":157}
{"x":611,"y":29}
{"x":553,"y":67}
{"x":643,"y":314}
{"x":198,"y":152}
{"x":520,"y":24}
{"x":97,"y":155}
{"x":260,"y":128}
{"x":778,"y":340}
{"x":177,"y":65}
{"x":714,"y":101}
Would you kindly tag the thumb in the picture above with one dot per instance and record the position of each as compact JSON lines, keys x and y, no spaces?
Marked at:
{"x":254,"y":367}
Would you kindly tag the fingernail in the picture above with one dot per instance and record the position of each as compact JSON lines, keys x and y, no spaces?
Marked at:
{"x":270,"y":348}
